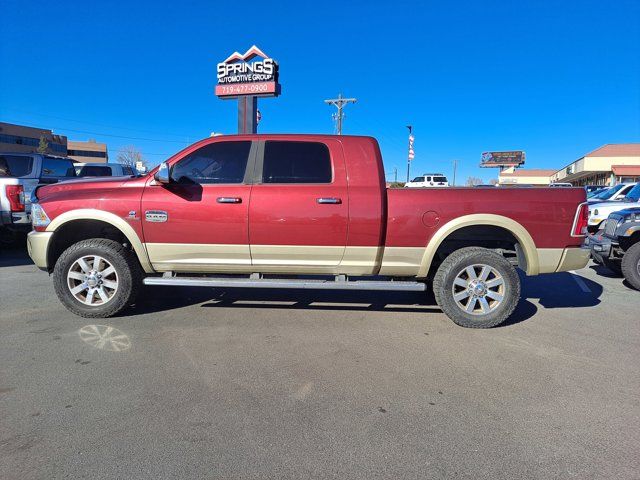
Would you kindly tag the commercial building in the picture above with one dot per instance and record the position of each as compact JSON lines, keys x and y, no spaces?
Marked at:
{"x":521,"y":176}
{"x":21,"y":139}
{"x":607,"y":165}
{"x":88,"y":152}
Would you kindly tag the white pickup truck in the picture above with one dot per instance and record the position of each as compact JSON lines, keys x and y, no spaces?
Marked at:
{"x":20,"y":174}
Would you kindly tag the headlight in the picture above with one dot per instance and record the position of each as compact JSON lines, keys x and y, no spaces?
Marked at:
{"x":39,"y":217}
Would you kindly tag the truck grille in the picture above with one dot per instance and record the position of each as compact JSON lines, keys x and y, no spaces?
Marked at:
{"x":610,"y":227}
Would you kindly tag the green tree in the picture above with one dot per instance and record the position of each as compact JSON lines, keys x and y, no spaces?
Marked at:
{"x":43,"y":146}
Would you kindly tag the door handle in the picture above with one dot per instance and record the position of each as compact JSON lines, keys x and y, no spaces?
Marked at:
{"x":331,"y":200}
{"x":229,"y":200}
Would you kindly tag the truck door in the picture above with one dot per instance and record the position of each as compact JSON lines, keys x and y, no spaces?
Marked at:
{"x":199,"y":221}
{"x":298,"y":214}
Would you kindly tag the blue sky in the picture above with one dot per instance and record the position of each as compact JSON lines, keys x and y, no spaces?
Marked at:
{"x":556,"y":79}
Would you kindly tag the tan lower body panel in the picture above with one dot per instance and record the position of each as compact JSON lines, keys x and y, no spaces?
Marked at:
{"x":311,"y":259}
{"x":549,"y":259}
{"x":198,"y":257}
{"x":299,"y":259}
{"x":401,"y":261}
{"x":573,"y":259}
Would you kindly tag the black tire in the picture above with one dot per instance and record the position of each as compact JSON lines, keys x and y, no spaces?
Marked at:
{"x":614,"y":265}
{"x":127,"y":267}
{"x":631,"y":266}
{"x":455,"y":264}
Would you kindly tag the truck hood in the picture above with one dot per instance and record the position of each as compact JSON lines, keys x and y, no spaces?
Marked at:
{"x":628,"y":211}
{"x":76,"y":185}
{"x":612,"y":206}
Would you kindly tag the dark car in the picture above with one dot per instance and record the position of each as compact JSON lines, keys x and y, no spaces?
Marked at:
{"x":617,"y":245}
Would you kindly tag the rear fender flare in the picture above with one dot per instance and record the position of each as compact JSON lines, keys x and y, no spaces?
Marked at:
{"x":521,"y":234}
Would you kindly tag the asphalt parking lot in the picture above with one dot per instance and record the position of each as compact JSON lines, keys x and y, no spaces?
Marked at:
{"x":226,"y":384}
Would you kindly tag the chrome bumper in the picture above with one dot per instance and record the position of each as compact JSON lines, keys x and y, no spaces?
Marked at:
{"x":38,"y":246}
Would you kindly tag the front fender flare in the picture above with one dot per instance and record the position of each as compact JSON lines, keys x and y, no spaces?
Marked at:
{"x":107,"y":217}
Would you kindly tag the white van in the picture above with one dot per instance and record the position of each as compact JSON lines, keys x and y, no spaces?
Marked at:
{"x":428,"y":180}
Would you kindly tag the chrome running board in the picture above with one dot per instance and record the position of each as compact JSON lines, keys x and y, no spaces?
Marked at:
{"x":306,"y":284}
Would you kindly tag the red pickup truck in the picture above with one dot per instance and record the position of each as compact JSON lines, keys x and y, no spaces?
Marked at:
{"x":299,"y":211}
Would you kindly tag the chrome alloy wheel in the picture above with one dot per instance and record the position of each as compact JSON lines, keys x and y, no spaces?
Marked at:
{"x":478,"y":289}
{"x":92,"y":280}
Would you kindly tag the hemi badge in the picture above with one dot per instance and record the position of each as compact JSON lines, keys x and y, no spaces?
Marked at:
{"x":156,"y":216}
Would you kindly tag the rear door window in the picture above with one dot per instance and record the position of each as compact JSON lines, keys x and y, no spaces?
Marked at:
{"x":439,"y":179}
{"x":15,"y":165}
{"x":57,"y":167}
{"x":296,"y":162}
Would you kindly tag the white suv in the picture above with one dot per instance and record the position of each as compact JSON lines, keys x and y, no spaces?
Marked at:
{"x":428,"y":180}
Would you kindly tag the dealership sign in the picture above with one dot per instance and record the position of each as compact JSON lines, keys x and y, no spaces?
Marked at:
{"x":251,"y":73}
{"x":502,"y":159}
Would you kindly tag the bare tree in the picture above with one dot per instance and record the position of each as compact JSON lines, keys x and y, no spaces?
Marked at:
{"x":493,"y":181}
{"x":130,"y":155}
{"x":473,"y":181}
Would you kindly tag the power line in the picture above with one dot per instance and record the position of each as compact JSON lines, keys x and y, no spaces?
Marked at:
{"x":89,"y":132}
{"x":339,"y":103}
{"x":37,"y":114}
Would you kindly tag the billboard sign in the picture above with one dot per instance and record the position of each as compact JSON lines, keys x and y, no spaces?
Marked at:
{"x":251,"y":73}
{"x":502,"y":159}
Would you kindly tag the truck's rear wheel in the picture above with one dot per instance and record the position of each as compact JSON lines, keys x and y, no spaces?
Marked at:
{"x":96,"y":278}
{"x":476,"y":287}
{"x":631,"y":265}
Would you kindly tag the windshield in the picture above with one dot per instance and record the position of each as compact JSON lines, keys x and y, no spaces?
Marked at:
{"x":634,"y":194}
{"x":593,"y":193}
{"x":418,"y":179}
{"x":607,"y":194}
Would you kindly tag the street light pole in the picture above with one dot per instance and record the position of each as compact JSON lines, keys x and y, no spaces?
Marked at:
{"x":455,"y":167}
{"x":410,"y":153}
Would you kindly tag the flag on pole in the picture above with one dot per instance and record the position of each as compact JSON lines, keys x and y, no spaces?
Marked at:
{"x":412,"y":154}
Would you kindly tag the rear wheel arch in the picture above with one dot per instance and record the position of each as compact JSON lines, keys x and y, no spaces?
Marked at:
{"x":524,"y":244}
{"x":87,"y":222}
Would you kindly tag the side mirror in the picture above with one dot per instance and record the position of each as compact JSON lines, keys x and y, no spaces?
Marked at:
{"x":162,"y":175}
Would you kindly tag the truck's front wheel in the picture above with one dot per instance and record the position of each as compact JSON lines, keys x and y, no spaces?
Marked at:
{"x":96,"y":278}
{"x":476,"y":287}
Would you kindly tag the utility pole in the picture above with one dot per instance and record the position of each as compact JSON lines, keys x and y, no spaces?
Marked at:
{"x":395,"y":174}
{"x":339,"y":103}
{"x":455,"y":167}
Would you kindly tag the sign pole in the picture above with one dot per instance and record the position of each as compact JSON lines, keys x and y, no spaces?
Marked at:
{"x":247,"y":114}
